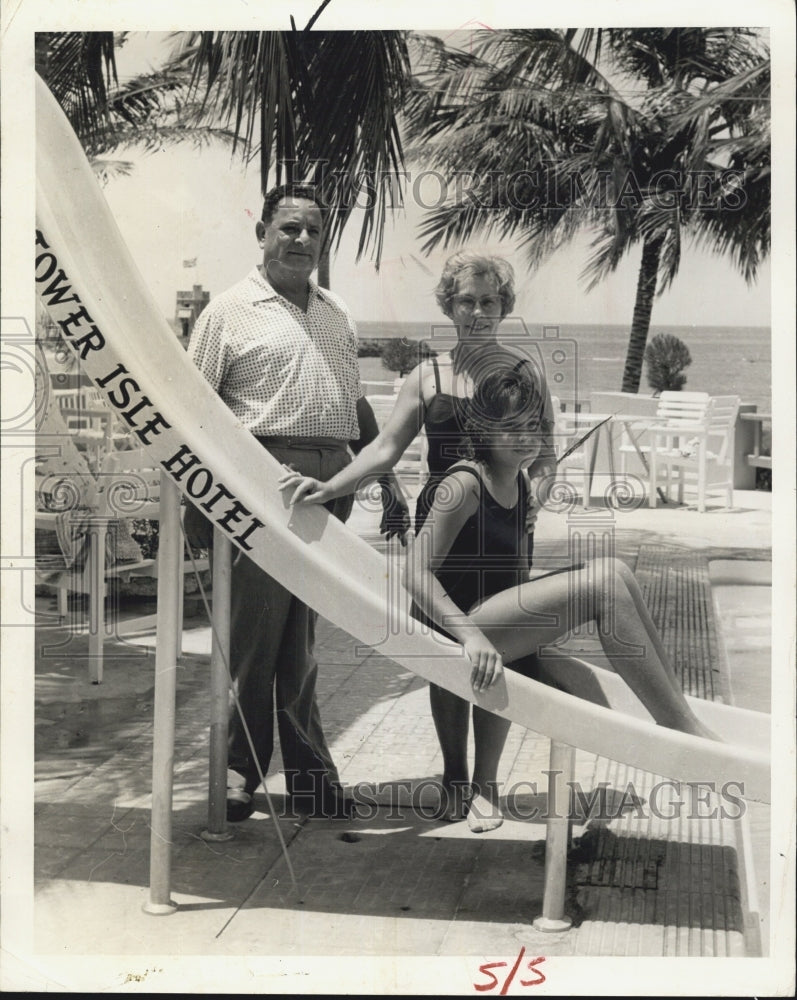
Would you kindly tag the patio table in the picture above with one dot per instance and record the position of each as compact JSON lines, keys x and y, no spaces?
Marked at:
{"x":602,"y":422}
{"x":641,"y":423}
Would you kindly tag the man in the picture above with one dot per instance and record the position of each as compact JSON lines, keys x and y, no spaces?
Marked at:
{"x":282,"y":354}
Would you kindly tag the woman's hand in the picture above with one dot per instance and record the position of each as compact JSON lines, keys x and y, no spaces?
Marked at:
{"x":539,"y":485}
{"x":305,"y":488}
{"x":488,"y":666}
{"x":532,"y":511}
{"x":395,"y":513}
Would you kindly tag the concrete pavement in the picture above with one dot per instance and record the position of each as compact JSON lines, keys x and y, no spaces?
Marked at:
{"x":393,"y":882}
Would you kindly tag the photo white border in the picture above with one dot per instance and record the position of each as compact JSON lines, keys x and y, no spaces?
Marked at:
{"x":21,"y":968}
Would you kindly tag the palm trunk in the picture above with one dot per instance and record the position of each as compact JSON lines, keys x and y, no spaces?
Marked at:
{"x":643,"y":306}
{"x":323,"y":269}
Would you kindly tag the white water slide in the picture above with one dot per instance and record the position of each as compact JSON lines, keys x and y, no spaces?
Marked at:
{"x":92,"y":289}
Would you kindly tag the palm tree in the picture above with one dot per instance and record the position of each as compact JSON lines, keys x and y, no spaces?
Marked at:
{"x":638,"y":136}
{"x":313,"y":106}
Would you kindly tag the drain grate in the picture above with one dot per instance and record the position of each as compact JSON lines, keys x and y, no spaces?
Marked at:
{"x":620,"y":863}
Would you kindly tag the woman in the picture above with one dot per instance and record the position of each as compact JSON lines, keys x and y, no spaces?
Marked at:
{"x":475,"y":292}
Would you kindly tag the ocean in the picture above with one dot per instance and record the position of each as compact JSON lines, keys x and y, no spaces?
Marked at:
{"x":580,"y":359}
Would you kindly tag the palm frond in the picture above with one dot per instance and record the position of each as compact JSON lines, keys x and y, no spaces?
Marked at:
{"x":320,"y":106}
{"x":738,"y":223}
{"x":147,"y":111}
{"x":247,"y":81}
{"x":609,"y":245}
{"x":560,"y":59}
{"x":662,"y":219}
{"x":359,"y":83}
{"x":155,"y":136}
{"x":105,"y":169}
{"x":79,"y":67}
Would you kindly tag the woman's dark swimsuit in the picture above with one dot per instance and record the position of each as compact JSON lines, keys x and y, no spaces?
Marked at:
{"x":444,"y":423}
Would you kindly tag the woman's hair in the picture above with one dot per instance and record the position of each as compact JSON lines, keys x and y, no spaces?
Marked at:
{"x":503,"y":400}
{"x":468,"y":262}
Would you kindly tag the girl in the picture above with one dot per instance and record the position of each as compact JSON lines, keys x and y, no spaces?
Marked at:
{"x":467,"y":573}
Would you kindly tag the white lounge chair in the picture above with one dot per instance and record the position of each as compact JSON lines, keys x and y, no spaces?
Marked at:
{"x":94,"y":426}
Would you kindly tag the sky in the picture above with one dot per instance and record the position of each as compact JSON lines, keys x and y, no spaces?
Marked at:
{"x":181,"y":203}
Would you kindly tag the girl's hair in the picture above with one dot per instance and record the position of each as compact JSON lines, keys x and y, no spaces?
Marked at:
{"x":506,"y":399}
{"x":468,"y":262}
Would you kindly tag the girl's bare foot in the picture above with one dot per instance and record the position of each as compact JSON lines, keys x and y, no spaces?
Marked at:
{"x":454,"y":799}
{"x":709,"y":734}
{"x":695,"y":727}
{"x":484,"y":814}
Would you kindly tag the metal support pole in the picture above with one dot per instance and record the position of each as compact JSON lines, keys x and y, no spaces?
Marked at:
{"x":170,"y":551}
{"x":556,"y":840}
{"x":178,"y":632}
{"x":97,"y":531}
{"x":219,"y":689}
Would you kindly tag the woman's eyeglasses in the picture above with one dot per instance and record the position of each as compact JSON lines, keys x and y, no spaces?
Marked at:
{"x":488,"y":304}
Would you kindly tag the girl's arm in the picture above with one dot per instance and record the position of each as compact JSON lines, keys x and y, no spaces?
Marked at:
{"x":376,"y":458}
{"x":427,"y":551}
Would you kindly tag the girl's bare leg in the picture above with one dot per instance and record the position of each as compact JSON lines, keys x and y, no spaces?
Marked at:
{"x":565,"y":673}
{"x":599,"y":593}
{"x":451,"y":716}
{"x":635,"y":591}
{"x":490,"y":732}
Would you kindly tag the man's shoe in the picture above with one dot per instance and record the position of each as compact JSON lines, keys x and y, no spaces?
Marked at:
{"x":240,"y":805}
{"x":240,"y":797}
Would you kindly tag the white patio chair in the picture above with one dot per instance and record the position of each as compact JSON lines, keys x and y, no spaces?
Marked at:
{"x":128,"y":487}
{"x":94,"y":426}
{"x":687,"y":409}
{"x":702,"y":454}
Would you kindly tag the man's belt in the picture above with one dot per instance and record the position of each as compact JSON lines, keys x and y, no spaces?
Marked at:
{"x":275,"y":441}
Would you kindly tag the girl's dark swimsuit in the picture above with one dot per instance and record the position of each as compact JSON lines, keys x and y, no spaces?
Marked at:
{"x":486,"y":556}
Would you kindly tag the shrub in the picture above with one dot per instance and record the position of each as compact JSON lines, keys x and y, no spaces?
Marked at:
{"x":400,"y":355}
{"x":666,"y":357}
{"x":146,"y":532}
{"x":369,"y":347}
